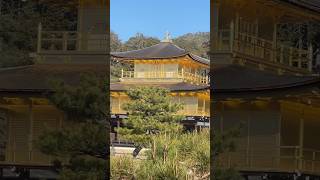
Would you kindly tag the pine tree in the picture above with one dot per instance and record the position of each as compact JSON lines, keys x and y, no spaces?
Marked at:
{"x":151,"y":113}
{"x":81,"y":145}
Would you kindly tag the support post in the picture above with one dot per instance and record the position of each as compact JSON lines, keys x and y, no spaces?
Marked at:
{"x":290,"y":56}
{"x":215,"y":24}
{"x":64,"y":41}
{"x":281,"y":54}
{"x":310,"y":57}
{"x":231,"y":36}
{"x":204,"y":107}
{"x":274,"y":43}
{"x":299,"y":54}
{"x":236,"y":29}
{"x":79,"y":41}
{"x":301,"y":141}
{"x":30,"y":143}
{"x":182,"y":73}
{"x":248,"y":159}
{"x":39,"y":38}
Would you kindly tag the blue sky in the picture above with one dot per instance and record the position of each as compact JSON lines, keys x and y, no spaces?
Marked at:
{"x":155,"y":17}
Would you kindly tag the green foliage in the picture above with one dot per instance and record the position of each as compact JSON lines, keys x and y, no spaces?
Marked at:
{"x":81,"y":145}
{"x":80,"y":139}
{"x":115,"y":43}
{"x":17,"y":33}
{"x":140,"y":41}
{"x":195,"y":147}
{"x":225,"y":141}
{"x":84,"y":102}
{"x":150,"y":113}
{"x":19,"y":22}
{"x":87,"y":168}
{"x":176,"y":156}
{"x":153,"y":124}
{"x":157,"y":170}
{"x":123,"y":167}
{"x":196,"y":43}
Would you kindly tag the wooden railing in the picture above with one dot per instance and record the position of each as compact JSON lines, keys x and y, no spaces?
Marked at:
{"x":70,"y":41}
{"x":186,"y":76}
{"x":289,"y":159}
{"x":249,"y":46}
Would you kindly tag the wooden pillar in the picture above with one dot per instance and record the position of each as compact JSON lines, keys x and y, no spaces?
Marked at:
{"x":301,"y":140}
{"x":64,"y":41}
{"x":248,"y":159}
{"x":237,"y":24}
{"x":222,"y":118}
{"x":257,"y":36}
{"x":275,"y":20}
{"x":231,"y":35}
{"x":39,"y":45}
{"x":215,"y":11}
{"x":274,"y":44}
{"x":31,"y":117}
{"x":203,"y":107}
{"x":278,"y":160}
{"x":310,"y":57}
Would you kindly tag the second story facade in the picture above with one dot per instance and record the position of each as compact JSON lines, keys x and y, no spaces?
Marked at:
{"x":270,"y":35}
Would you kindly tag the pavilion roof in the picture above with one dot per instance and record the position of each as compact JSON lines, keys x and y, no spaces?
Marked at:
{"x":313,"y":5}
{"x":163,"y":50}
{"x":35,"y":78}
{"x":236,"y":78}
{"x":183,"y":86}
{"x":228,"y":78}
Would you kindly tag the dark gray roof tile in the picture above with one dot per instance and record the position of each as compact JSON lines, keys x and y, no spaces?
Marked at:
{"x":163,"y":50}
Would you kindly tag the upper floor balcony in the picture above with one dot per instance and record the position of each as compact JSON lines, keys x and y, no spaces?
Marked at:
{"x":71,"y":46}
{"x":242,"y":47}
{"x":164,"y":76}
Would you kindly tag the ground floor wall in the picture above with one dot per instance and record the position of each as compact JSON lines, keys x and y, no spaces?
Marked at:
{"x":276,"y":135}
{"x":194,"y":103}
{"x":20,"y":127}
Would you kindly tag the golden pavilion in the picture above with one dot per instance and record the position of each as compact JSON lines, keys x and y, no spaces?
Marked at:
{"x":165,"y":65}
{"x":268,"y":85}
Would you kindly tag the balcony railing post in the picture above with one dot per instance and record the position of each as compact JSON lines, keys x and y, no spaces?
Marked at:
{"x":182,"y":73}
{"x":290,"y":56}
{"x":274,"y":42}
{"x":281,"y":54}
{"x":79,"y":39}
{"x":300,"y":57}
{"x":64,"y":41}
{"x":39,"y":45}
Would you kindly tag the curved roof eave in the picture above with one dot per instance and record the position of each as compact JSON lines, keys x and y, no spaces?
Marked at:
{"x":192,"y":56}
{"x":269,"y":88}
